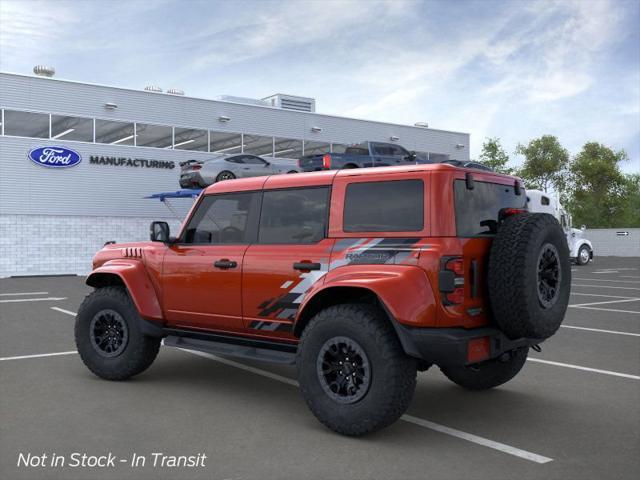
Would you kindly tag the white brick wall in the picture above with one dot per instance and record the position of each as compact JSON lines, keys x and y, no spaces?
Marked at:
{"x":50,"y":245}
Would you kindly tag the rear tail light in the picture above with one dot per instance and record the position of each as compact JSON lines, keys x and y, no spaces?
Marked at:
{"x":196,"y":167}
{"x":451,"y":280}
{"x":478,"y":349}
{"x":326,"y":161}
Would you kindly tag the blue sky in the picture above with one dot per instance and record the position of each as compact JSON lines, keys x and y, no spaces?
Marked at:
{"x":511,"y":69}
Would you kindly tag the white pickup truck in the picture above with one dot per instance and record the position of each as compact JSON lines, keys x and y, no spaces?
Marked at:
{"x":580,"y":248}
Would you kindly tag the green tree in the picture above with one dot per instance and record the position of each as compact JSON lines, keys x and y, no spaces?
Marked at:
{"x":630,"y":216}
{"x":494,"y":156}
{"x":600,"y":196}
{"x":545,"y":163}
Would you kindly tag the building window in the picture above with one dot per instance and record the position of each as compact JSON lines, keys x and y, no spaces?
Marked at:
{"x":258,"y":145}
{"x":71,"y":128}
{"x":26,"y":124}
{"x":287,"y":148}
{"x":316,"y":148}
{"x":225,"y":143}
{"x":157,"y":136}
{"x":114,"y":133}
{"x":338,"y":148}
{"x":191,"y":139}
{"x":400,"y":210}
{"x":293,"y":216}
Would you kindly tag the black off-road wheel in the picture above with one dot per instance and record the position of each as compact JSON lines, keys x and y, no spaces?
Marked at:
{"x":488,"y":374}
{"x":108,"y":335}
{"x":225,"y":175}
{"x":529,"y":276}
{"x":353,"y":372}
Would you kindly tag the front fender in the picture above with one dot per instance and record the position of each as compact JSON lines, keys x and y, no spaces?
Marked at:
{"x":134,"y":276}
{"x":404,"y":291}
{"x":580,"y":243}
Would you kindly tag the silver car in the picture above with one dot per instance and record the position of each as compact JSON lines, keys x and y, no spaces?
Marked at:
{"x":201,"y":173}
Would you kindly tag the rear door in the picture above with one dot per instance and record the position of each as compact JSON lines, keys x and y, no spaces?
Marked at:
{"x":290,"y":255}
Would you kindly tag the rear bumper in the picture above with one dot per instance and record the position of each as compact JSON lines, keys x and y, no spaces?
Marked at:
{"x":191,"y":179}
{"x":450,"y":346}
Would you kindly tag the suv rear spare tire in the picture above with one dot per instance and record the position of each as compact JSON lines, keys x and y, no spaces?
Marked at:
{"x":529,"y":276}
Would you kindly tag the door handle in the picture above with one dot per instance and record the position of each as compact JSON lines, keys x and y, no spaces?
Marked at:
{"x":225,"y":264}
{"x":306,"y":266}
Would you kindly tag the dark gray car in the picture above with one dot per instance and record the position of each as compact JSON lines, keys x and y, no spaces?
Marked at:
{"x":201,"y":173}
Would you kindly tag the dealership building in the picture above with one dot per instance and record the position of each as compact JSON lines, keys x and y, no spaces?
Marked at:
{"x":77,"y":159}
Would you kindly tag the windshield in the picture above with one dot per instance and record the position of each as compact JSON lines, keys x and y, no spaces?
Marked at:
{"x":477,"y":210}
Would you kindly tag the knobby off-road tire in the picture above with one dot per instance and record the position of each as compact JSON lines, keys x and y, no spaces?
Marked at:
{"x":384,"y":376}
{"x":487,"y":374}
{"x":529,"y":276}
{"x":108,"y":335}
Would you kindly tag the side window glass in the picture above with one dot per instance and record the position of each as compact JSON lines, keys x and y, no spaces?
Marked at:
{"x":253,"y":160}
{"x":391,"y":206}
{"x":235,"y":160}
{"x":223,"y":219}
{"x":294,"y":215}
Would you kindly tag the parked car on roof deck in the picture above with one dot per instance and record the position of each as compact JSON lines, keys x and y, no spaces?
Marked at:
{"x":200,"y":174}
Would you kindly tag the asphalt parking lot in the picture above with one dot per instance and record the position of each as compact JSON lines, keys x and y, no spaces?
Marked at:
{"x":573,"y":412}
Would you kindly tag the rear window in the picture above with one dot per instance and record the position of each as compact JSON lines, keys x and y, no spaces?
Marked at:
{"x":477,"y":210}
{"x":395,"y":206}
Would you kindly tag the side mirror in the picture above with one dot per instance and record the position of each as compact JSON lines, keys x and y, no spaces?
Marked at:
{"x":412,"y":155}
{"x":159,"y":232}
{"x":267,"y":164}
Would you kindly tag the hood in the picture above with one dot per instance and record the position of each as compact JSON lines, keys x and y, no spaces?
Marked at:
{"x":113,"y":251}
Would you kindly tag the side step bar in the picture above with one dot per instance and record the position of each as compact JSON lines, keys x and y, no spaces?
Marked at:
{"x":249,"y":352}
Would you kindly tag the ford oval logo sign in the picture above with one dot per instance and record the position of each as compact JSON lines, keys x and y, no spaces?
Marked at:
{"x":55,"y":157}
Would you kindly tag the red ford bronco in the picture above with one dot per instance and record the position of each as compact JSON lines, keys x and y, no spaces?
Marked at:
{"x":360,"y":277}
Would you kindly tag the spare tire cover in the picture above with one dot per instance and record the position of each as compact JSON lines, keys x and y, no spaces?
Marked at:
{"x":529,"y":277}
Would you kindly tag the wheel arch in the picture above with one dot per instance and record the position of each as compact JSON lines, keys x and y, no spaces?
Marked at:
{"x":133,"y":277}
{"x":340,"y":294}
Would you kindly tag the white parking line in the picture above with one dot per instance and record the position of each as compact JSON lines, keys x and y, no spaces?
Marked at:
{"x":601,"y":331}
{"x":47,"y":299}
{"x":608,"y":310}
{"x":607,"y":280}
{"x":23,"y":293}
{"x":598,"y":295}
{"x":605,"y":286}
{"x":586,"y":369}
{"x":629,"y":276}
{"x":632,"y":299}
{"x":40,"y":355}
{"x":533,"y":457}
{"x":62,"y":310}
{"x":607,"y":271}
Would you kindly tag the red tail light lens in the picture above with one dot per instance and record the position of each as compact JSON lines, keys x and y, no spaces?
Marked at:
{"x":457,"y":296}
{"x":456,"y":265}
{"x":451,"y":280}
{"x":196,"y":167}
{"x":326,"y":161}
{"x":478,"y":349}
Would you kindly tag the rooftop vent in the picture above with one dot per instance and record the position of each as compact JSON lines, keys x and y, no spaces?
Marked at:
{"x":153,"y":88}
{"x":175,"y":91}
{"x":245,"y":100}
{"x":44,"y":71}
{"x":421,"y":124}
{"x":291,"y":102}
